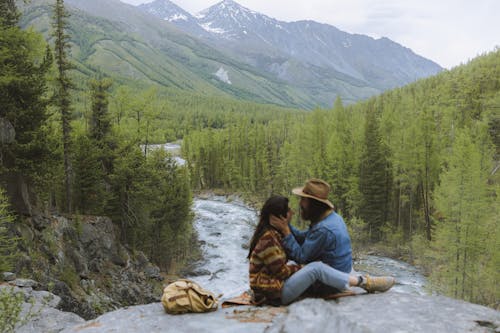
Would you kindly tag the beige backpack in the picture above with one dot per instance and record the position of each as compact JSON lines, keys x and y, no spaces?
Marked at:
{"x":184,"y":296}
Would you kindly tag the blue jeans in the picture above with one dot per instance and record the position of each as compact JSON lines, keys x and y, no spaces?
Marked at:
{"x":309,"y":274}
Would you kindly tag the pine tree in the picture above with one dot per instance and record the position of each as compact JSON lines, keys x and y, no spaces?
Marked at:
{"x":9,"y":15}
{"x":100,"y":127}
{"x":7,"y":242}
{"x":24,"y":62}
{"x":131,"y":194}
{"x":463,"y":199}
{"x":374,"y":178}
{"x":343,"y":154}
{"x":100,"y":123}
{"x":90,"y":195}
{"x":169,"y":231}
{"x":64,"y":85}
{"x":94,"y":155}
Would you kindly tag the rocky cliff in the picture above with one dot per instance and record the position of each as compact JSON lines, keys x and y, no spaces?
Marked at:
{"x":80,"y":259}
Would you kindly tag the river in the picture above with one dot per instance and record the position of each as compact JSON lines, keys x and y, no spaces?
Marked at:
{"x":224,"y":228}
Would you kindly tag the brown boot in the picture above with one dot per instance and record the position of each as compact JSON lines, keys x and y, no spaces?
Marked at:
{"x":377,"y":283}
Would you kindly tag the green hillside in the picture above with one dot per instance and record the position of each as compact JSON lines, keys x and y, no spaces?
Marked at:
{"x":159,"y":54}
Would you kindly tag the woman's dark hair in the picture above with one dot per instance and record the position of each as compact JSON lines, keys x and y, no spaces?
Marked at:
{"x":275,"y":205}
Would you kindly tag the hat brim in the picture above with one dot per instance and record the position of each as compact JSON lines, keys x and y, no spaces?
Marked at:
{"x":299,"y":191}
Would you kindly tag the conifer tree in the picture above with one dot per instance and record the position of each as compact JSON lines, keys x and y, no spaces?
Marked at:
{"x":100,"y":126}
{"x":64,"y":85}
{"x":169,"y":229}
{"x":9,"y":15}
{"x":7,"y":242}
{"x":343,"y":153}
{"x":24,"y":61}
{"x":129,"y":202}
{"x":464,"y":202}
{"x":93,"y":154}
{"x":374,"y":178}
{"x":100,"y":123}
{"x":89,"y":191}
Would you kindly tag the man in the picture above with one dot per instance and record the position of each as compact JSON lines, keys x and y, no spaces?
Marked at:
{"x":325,"y":247}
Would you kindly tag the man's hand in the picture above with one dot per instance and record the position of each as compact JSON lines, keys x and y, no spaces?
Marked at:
{"x":281,"y":224}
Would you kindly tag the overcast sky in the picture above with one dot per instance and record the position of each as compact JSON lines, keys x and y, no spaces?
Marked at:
{"x":449,"y":32}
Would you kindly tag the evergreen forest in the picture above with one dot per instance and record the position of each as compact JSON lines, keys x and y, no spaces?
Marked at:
{"x":413,"y":171}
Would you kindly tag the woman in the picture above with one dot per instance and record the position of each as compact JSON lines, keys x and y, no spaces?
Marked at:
{"x":268,"y":261}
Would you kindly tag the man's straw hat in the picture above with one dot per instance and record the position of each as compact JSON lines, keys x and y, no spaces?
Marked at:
{"x":316,"y":189}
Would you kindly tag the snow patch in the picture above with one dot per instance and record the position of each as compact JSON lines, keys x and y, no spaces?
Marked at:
{"x":208,"y":28}
{"x":177,"y":17}
{"x":223,"y":75}
{"x":321,"y":41}
{"x":346,"y":44}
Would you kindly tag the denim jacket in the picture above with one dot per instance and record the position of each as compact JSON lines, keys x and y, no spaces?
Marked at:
{"x":327,"y":241}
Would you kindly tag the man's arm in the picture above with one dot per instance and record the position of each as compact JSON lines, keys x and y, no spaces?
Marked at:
{"x":310,"y":250}
{"x":300,"y":235}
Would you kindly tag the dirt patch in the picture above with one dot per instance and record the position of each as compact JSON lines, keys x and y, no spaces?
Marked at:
{"x":91,"y":324}
{"x":257,"y":315}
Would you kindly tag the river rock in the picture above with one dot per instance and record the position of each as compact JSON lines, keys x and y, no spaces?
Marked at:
{"x":153,"y":272}
{"x":40,"y":222}
{"x":369,"y":313}
{"x":200,"y":272}
{"x":8,"y":276}
{"x":24,"y":283}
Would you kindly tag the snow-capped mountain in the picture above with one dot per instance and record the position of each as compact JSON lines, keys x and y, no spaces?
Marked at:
{"x":317,"y":57}
{"x":169,"y":11}
{"x":230,"y":20}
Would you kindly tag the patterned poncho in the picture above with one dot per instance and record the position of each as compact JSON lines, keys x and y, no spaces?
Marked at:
{"x":268,"y":267}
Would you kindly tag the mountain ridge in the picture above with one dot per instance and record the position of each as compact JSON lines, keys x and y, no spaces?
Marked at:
{"x":166,"y":47}
{"x":270,"y":45}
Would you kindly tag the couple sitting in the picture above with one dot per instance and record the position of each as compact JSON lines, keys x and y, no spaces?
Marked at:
{"x":322,"y":253}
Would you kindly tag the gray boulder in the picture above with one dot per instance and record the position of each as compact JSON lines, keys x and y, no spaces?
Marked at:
{"x":389,"y":312}
{"x":370,"y":313}
{"x":39,"y":313}
{"x":8,"y":276}
{"x":152,"y":318}
{"x":48,"y":320}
